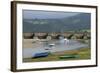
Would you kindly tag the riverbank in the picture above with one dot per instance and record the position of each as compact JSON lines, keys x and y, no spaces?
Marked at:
{"x":83,"y":54}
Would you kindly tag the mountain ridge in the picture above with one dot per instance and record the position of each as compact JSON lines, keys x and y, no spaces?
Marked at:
{"x":73,"y":23}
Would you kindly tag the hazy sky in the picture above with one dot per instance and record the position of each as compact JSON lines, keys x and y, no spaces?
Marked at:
{"x":32,"y":14}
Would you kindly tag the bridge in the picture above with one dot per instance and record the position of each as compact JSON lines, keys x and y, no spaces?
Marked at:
{"x":69,"y":35}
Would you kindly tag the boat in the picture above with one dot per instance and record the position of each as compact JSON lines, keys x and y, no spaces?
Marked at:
{"x":39,"y":55}
{"x":51,"y":45}
{"x":68,"y":56}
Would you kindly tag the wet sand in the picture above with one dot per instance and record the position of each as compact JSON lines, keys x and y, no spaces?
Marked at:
{"x":30,"y":43}
{"x":30,"y":46}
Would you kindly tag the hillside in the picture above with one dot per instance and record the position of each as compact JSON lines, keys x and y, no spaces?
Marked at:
{"x":74,"y":23}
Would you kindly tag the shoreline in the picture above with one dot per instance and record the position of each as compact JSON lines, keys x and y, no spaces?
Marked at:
{"x":84,"y":53}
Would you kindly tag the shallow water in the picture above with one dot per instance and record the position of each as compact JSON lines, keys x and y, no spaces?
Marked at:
{"x":57,"y":46}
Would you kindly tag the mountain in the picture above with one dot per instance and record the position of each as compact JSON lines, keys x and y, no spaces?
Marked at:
{"x":74,"y":23}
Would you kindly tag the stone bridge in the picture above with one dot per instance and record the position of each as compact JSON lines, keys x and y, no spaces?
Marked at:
{"x":69,"y":35}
